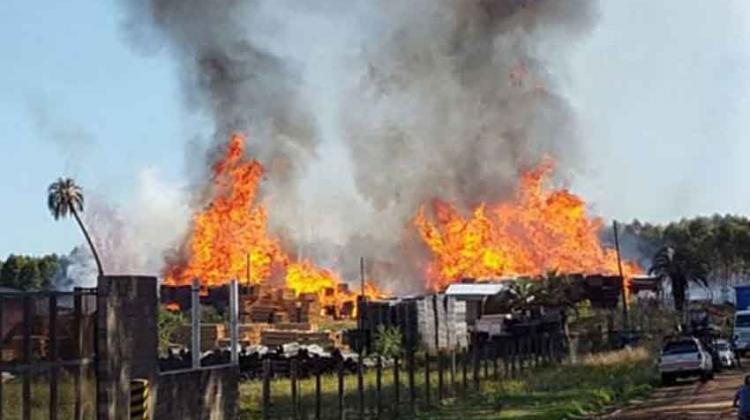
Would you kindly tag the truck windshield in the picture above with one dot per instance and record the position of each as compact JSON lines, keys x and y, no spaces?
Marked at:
{"x":742,"y":321}
{"x":680,"y":347}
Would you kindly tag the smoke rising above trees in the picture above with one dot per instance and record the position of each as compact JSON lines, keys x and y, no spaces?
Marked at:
{"x":429,"y":98}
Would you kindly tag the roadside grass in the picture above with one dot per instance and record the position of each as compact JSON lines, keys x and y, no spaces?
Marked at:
{"x":573,"y":390}
{"x":563,"y":391}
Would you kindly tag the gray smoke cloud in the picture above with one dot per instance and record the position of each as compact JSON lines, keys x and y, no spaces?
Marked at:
{"x":228,"y":73}
{"x":457,"y":99}
{"x":445,"y":99}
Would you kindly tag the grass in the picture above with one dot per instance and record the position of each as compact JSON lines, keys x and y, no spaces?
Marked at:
{"x":12,"y":392}
{"x":551,"y":392}
{"x":566,"y":391}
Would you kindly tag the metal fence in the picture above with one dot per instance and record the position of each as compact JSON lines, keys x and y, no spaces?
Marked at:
{"x":48,"y":355}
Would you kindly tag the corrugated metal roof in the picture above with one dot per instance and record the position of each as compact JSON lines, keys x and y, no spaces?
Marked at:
{"x":474,"y":289}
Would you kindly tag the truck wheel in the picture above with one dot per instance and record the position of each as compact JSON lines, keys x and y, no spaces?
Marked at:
{"x":706,"y":376}
{"x":667,"y":379}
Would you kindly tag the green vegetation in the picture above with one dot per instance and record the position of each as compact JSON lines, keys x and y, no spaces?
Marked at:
{"x":717,"y":247}
{"x":388,"y":341}
{"x":168,"y":323}
{"x":704,"y":250}
{"x":599,"y":381}
{"x":31,"y":273}
{"x":40,"y":396}
{"x":594,"y":384}
{"x":65,"y":198}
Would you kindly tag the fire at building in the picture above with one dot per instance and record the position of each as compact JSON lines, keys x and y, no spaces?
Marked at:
{"x":538,"y":231}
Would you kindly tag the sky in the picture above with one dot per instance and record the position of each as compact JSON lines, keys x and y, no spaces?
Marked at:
{"x":660,"y":90}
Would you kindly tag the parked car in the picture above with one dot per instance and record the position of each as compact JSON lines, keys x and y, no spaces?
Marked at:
{"x":685,"y":357}
{"x":727,"y":358}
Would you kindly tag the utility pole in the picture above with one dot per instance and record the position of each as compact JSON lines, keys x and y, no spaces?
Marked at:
{"x":361,"y":305}
{"x":622,"y":277}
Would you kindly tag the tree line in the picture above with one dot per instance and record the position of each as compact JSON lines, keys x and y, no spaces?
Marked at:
{"x":711,"y":250}
{"x":718,"y":247}
{"x":28,"y":273}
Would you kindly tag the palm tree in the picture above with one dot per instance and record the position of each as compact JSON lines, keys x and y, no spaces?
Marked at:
{"x":681,"y":269}
{"x":65,"y":197}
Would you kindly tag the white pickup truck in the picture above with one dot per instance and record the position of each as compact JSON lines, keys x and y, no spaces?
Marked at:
{"x":685,"y":357}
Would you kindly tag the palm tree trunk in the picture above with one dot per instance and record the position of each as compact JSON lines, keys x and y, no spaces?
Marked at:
{"x":88,"y":239}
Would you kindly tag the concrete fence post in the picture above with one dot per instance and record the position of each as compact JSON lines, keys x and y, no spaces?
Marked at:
{"x":127,"y":341}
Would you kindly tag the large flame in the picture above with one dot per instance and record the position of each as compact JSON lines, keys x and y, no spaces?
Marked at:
{"x":232,"y":232}
{"x":540,"y":230}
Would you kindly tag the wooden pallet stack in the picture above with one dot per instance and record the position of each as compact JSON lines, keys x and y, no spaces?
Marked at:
{"x":276,"y":338}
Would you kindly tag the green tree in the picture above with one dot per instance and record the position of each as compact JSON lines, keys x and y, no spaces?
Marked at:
{"x":29,"y":277}
{"x":50,"y":267}
{"x":65,"y":197}
{"x":681,"y":267}
{"x":10,"y":271}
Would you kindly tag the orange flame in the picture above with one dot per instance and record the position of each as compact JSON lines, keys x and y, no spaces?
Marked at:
{"x":234,"y":226}
{"x":230,"y":227}
{"x":536,"y":232}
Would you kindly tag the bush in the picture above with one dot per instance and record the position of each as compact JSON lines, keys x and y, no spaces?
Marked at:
{"x":388,"y":341}
{"x":168,"y":323}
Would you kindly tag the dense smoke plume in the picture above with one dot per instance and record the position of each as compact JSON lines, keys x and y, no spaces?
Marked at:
{"x":445,"y":99}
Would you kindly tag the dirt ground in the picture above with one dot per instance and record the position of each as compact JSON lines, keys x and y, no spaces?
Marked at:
{"x":690,"y":399}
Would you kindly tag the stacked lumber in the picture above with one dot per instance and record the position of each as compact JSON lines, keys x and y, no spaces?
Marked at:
{"x":276,"y":338}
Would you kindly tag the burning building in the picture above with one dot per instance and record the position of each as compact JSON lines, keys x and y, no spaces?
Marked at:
{"x":230,"y":240}
{"x":538,"y":231}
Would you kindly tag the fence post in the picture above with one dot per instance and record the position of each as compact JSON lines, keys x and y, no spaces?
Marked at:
{"x":317,"y":390}
{"x":495,"y":374}
{"x":52,"y":357}
{"x":412,"y":388}
{"x":464,"y":368}
{"x":195,"y":318}
{"x":78,"y":348}
{"x":504,"y":355}
{"x":427,"y":377}
{"x":486,"y":360}
{"x":537,"y":349}
{"x":360,"y":386}
{"x":396,"y":384}
{"x":378,"y":385}
{"x":293,"y":381}
{"x":475,"y":362}
{"x":26,"y":392}
{"x":234,"y":301}
{"x":266,"y":404}
{"x":453,"y":371}
{"x":440,"y":374}
{"x":341,"y":389}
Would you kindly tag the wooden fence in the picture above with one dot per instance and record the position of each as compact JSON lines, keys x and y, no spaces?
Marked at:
{"x":413,"y":382}
{"x":47,"y":355}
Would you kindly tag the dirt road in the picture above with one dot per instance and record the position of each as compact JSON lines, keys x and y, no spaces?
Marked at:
{"x":690,"y":399}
